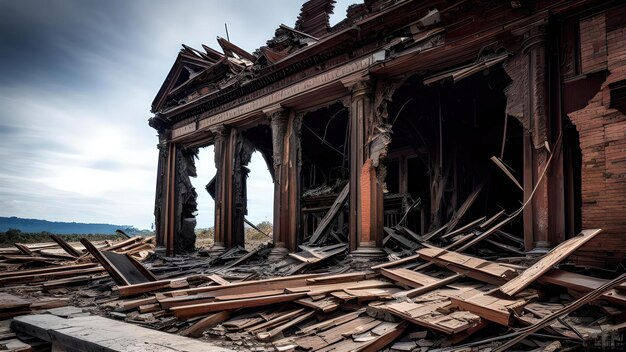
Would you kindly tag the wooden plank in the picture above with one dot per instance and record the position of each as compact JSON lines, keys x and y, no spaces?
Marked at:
{"x":408,"y":259}
{"x":196,"y":329}
{"x":427,"y":288}
{"x":475,"y":268}
{"x":236,"y":288}
{"x":115,"y":274}
{"x":66,"y":246}
{"x":333,"y":279}
{"x":490,"y":307}
{"x":325,"y":305}
{"x":9,"y":301}
{"x":46,"y":270}
{"x":275,"y":320}
{"x":263,"y":336}
{"x":331,"y":214}
{"x":583,"y":283}
{"x":25,"y":250}
{"x":190,"y":311}
{"x":546,"y":263}
{"x":133,"y":290}
{"x":314,"y":290}
{"x":49,"y":275}
{"x":408,"y":277}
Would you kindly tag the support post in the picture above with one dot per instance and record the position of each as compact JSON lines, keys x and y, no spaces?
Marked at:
{"x":366,"y":191}
{"x":160,"y":194}
{"x":543,"y":223}
{"x":222,"y":187}
{"x":286,"y":156}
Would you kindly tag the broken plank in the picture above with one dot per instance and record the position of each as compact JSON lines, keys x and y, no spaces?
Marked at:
{"x":189,"y":311}
{"x":133,"y":290}
{"x":331,"y":214}
{"x":490,"y":307}
{"x":263,"y":336}
{"x":197,"y":328}
{"x":69,"y":249}
{"x":473,"y":267}
{"x":408,"y":277}
{"x":555,"y":256}
{"x":583,"y":283}
{"x":427,"y":288}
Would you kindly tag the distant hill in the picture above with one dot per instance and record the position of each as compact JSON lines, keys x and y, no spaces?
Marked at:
{"x":62,"y":228}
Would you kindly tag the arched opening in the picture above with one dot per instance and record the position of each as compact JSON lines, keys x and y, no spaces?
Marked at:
{"x":205,"y":216}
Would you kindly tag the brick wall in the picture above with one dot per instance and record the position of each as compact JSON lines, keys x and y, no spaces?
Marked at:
{"x":602,"y":133}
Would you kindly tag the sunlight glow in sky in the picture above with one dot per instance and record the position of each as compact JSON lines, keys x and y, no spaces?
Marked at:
{"x":78,"y":78}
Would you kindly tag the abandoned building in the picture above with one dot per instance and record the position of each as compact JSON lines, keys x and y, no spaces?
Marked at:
{"x":449,"y":175}
{"x":428,"y":113}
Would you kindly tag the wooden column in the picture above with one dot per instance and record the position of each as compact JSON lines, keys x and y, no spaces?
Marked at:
{"x":543,"y":216}
{"x":169,"y":216}
{"x":160,"y":194}
{"x":286,"y":156}
{"x":366,"y":192}
{"x":223,"y":186}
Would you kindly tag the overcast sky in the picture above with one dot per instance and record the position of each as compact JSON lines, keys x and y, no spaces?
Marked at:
{"x":77,"y":78}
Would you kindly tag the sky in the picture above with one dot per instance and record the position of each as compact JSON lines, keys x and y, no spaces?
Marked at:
{"x":77,"y":78}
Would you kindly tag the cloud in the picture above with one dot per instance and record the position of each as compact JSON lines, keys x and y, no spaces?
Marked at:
{"x":78,"y":78}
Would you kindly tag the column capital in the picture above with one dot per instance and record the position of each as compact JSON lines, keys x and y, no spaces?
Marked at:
{"x":534,"y":36}
{"x":220,"y":132}
{"x":361,"y":87}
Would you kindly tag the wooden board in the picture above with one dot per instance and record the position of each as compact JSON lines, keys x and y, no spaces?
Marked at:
{"x":555,"y":256}
{"x":408,"y":277}
{"x":584,"y":284}
{"x":473,"y":267}
{"x":330,"y":215}
{"x":490,"y":307}
{"x":194,"y":310}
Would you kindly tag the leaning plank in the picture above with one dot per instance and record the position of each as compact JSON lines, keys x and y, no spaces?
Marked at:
{"x":475,"y":268}
{"x":25,"y":250}
{"x":196,"y":329}
{"x":123,"y":269}
{"x":66,"y":246}
{"x":330,"y":215}
{"x":190,"y":311}
{"x":546,"y":263}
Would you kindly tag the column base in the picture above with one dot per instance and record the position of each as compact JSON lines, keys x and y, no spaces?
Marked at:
{"x":160,"y":251}
{"x":217,"y":250}
{"x":367,"y":253}
{"x":277,"y":253}
{"x":541,"y":248}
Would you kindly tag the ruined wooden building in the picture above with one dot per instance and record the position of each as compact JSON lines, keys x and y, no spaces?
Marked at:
{"x":427,"y":113}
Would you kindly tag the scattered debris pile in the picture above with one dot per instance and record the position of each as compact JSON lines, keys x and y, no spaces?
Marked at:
{"x":437,"y":299}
